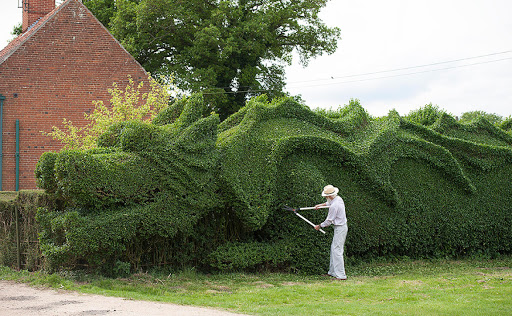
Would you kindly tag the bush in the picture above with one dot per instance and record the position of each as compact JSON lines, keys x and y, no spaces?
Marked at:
{"x":426,"y":115}
{"x":506,"y":125}
{"x":472,"y":116}
{"x":236,"y":256}
{"x":27,"y":203}
{"x":189,"y":191}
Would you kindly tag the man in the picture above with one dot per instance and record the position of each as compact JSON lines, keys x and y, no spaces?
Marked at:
{"x":338,"y":218}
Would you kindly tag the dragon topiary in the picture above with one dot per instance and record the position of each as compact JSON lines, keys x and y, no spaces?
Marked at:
{"x":186,"y":190}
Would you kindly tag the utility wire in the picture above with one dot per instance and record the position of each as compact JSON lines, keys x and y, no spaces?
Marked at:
{"x":375,"y":78}
{"x":404,"y":68}
{"x":393,"y":70}
{"x":405,"y":74}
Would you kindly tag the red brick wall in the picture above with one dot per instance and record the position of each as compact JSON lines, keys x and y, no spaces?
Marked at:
{"x":35,"y":9}
{"x":57,"y":73}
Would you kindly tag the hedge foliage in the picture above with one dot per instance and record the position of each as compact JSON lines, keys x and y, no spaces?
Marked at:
{"x":189,"y":191}
{"x":27,"y":203}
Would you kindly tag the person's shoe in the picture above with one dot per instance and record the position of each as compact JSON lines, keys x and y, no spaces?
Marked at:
{"x":341,"y":279}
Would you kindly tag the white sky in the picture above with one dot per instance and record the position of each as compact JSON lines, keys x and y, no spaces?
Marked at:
{"x":387,"y":35}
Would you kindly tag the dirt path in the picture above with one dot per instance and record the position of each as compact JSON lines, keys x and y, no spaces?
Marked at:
{"x":20,"y":299}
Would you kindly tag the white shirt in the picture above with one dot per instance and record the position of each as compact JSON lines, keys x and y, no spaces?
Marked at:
{"x":336,"y":215}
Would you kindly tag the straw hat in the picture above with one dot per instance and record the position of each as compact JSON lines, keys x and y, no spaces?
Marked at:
{"x":330,"y":190}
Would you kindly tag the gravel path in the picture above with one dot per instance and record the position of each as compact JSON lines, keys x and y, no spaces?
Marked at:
{"x":20,"y":299}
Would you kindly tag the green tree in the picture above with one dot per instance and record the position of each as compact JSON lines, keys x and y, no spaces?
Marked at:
{"x":103,"y":10}
{"x":230,"y":50}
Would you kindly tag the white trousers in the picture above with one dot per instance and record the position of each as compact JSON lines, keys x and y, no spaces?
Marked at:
{"x":337,"y":264}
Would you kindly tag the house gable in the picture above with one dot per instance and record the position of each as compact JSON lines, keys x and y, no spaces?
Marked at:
{"x":54,"y":71}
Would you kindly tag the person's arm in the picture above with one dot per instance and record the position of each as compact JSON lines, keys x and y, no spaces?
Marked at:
{"x":330,"y":217}
{"x":317,"y":227}
{"x":320,"y":205}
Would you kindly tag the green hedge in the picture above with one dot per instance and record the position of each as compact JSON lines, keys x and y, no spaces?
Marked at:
{"x":27,"y":203}
{"x":188,"y":191}
{"x":239,"y":256}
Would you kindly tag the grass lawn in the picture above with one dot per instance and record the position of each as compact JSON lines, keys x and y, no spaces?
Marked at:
{"x":434,"y":287}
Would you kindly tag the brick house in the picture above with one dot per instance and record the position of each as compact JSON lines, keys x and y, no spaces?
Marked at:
{"x":64,"y":60}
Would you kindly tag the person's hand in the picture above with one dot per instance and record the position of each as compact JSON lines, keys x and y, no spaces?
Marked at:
{"x":317,"y":206}
{"x":317,"y":227}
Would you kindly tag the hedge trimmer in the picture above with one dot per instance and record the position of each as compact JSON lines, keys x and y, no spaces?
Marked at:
{"x":287,"y":208}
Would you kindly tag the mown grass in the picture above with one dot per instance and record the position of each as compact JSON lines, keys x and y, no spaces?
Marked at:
{"x":434,"y":287}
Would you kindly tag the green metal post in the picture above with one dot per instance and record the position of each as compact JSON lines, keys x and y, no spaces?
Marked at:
{"x":17,"y":155}
{"x":2,"y":98}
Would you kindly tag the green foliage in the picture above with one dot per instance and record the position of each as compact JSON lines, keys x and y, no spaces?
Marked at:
{"x":86,"y":178}
{"x":353,"y":116}
{"x":27,"y":203}
{"x":7,"y":234}
{"x":171,"y":113}
{"x":426,"y":115}
{"x":506,"y":125}
{"x":17,"y":30}
{"x":44,"y":172}
{"x":471,"y":116}
{"x":235,"y":256}
{"x":103,"y":10}
{"x":230,"y":50}
{"x":146,"y":187}
{"x":189,"y":191}
{"x":122,"y":269}
{"x":125,"y":105}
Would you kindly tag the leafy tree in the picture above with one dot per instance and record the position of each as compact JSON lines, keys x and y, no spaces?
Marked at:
{"x":229,"y":49}
{"x":125,"y":105}
{"x":103,"y":10}
{"x":474,"y":115}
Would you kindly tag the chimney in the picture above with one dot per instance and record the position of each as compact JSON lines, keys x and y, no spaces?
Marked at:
{"x":33,"y":10}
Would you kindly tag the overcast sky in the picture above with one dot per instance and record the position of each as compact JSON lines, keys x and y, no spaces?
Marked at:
{"x":466,"y":43}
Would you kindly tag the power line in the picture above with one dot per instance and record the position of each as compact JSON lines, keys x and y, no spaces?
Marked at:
{"x":238,"y":91}
{"x":392,"y":70}
{"x":404,"y":68}
{"x":377,"y":78}
{"x":405,"y":74}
